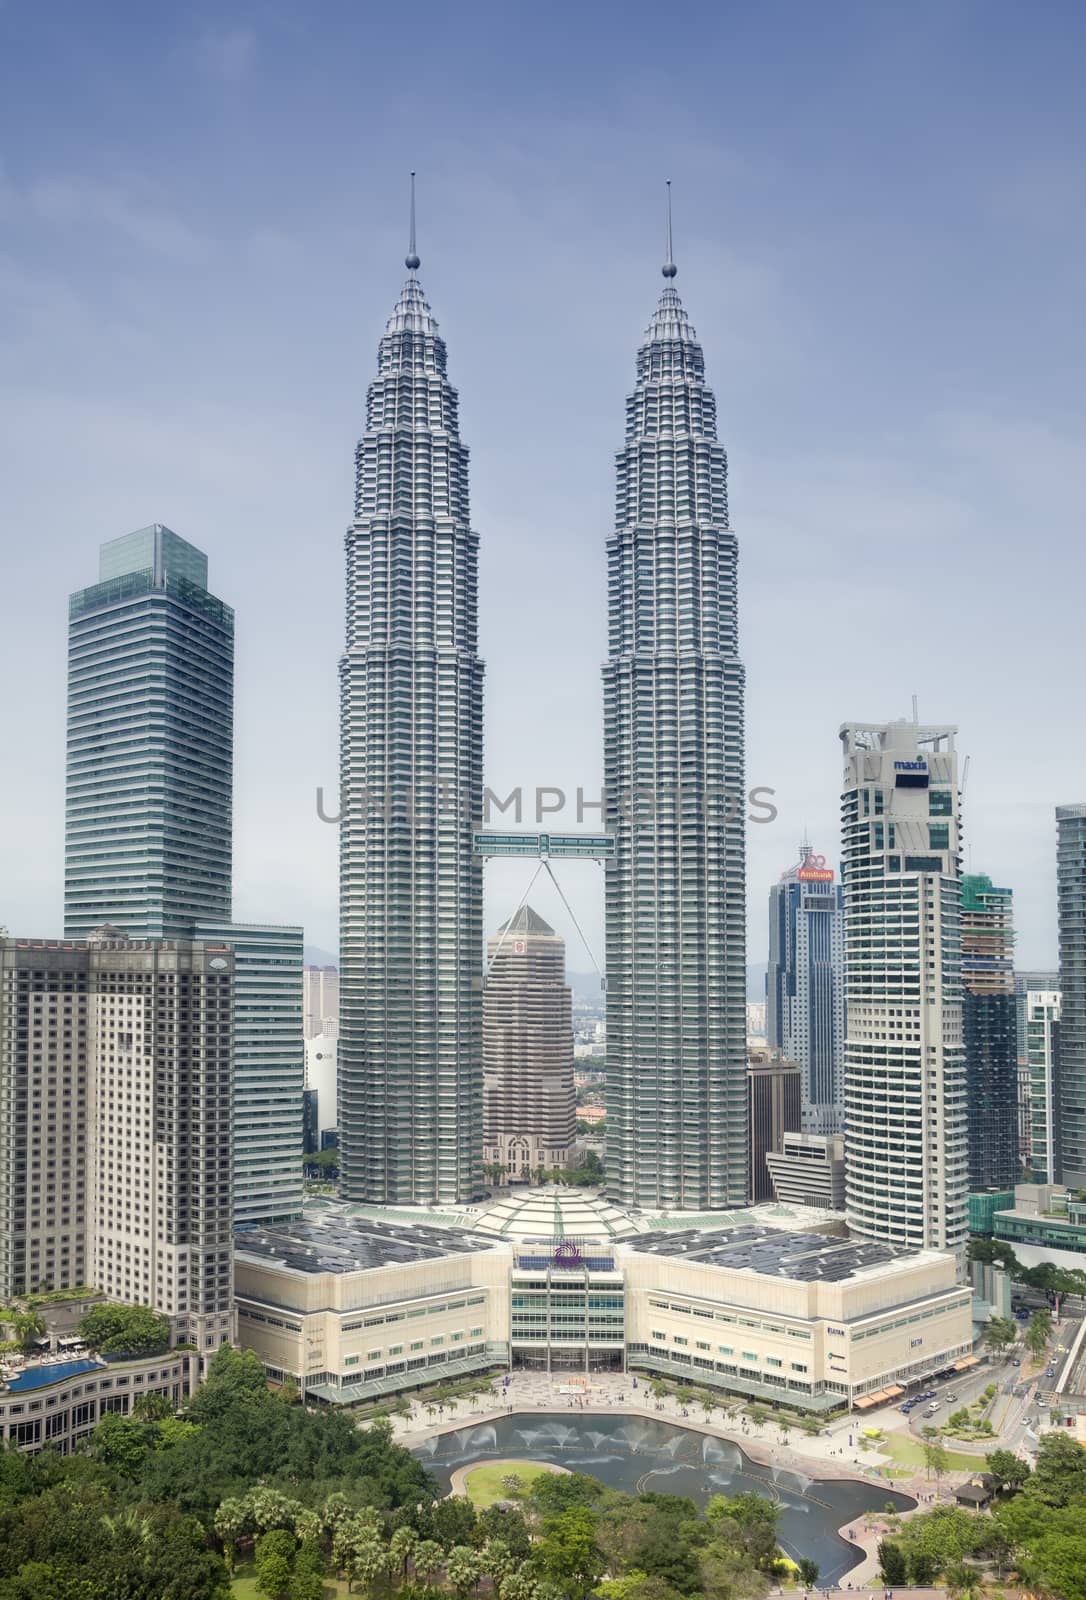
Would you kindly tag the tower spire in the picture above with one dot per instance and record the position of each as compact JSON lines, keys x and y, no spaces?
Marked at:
{"x":670,"y":269}
{"x":411,"y":260}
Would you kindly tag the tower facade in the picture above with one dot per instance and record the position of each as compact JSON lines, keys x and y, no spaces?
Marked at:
{"x":150,"y":743}
{"x":269,"y":1069}
{"x":1071,"y":905}
{"x":673,"y":779}
{"x":411,"y":787}
{"x":1043,"y":1050}
{"x":116,"y":1124}
{"x":906,"y":1155}
{"x":805,"y":986}
{"x":529,"y":1103}
{"x":990,"y":1033}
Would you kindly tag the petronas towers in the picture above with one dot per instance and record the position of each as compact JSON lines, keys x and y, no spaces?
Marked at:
{"x":411,"y":893}
{"x":411,"y":789}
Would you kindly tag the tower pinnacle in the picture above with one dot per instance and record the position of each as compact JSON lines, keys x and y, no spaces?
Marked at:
{"x":670,"y":269}
{"x":411,"y":260}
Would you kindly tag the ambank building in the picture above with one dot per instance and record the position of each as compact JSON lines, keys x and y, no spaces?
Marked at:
{"x":763,"y":1304}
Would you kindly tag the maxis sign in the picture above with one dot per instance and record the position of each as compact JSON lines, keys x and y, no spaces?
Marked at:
{"x":910,"y":766}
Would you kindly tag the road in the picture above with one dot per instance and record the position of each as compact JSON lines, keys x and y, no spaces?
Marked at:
{"x":1016,"y":1411}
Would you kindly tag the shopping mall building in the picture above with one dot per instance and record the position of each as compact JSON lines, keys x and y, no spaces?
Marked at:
{"x":772,"y":1304}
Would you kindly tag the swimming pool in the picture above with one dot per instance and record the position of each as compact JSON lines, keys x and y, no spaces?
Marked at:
{"x":39,"y":1377}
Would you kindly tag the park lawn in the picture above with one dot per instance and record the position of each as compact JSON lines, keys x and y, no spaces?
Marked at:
{"x":910,"y":1453}
{"x":483,"y":1485}
{"x":244,"y":1585}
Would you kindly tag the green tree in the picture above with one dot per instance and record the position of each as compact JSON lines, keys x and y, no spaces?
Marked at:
{"x":1059,"y":1476}
{"x":1000,"y":1333}
{"x":402,"y":1547}
{"x":463,"y":1568}
{"x":125,"y":1330}
{"x":306,"y":1585}
{"x":1009,"y":1470}
{"x":28,"y":1327}
{"x":428,"y":1559}
{"x":808,"y":1571}
{"x":892,"y":1565}
{"x":273,"y":1576}
{"x":567,"y":1554}
{"x":1038,"y":1333}
{"x":231,"y":1521}
{"x":121,"y":1443}
{"x":232,"y":1376}
{"x":936,"y":1456}
{"x":152,"y":1408}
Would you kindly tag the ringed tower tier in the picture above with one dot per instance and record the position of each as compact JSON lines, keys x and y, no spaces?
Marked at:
{"x":411,"y":751}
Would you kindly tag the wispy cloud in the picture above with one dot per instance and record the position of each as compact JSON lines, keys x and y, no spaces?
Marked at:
{"x":70,"y":201}
{"x":227,"y":53}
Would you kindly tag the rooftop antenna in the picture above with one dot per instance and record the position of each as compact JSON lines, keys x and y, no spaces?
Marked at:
{"x":916,"y":714}
{"x":411,"y":260}
{"x":670,"y":269}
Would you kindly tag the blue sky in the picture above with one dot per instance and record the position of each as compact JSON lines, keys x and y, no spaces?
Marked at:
{"x":880,"y":221}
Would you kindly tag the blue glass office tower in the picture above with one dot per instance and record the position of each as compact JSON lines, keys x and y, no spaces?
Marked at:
{"x":149,"y":824}
{"x":150,"y":743}
{"x":805,"y":987}
{"x":673,"y":778}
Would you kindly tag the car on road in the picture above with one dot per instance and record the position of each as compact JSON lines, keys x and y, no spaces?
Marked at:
{"x":951,"y":1399}
{"x":932,"y":1409}
{"x":1016,"y":1363}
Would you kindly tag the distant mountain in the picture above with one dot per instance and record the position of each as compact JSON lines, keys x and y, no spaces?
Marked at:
{"x":585,"y":985}
{"x":316,"y":957}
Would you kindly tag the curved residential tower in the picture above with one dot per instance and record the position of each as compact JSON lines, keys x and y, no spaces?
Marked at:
{"x":673,"y":721}
{"x":411,"y":738}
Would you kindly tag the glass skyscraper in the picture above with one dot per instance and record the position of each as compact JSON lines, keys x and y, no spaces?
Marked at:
{"x":149,"y":825}
{"x":673,"y":778}
{"x":1071,"y":903}
{"x":411,"y":786}
{"x":805,"y":987}
{"x":269,"y":1069}
{"x":150,"y":743}
{"x":989,"y":1033}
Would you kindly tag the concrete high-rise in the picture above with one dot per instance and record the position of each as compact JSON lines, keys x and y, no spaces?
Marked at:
{"x":989,"y":1033}
{"x":805,"y":986}
{"x":115,"y":1124}
{"x":906,"y":1140}
{"x":1043,"y":1048}
{"x":673,"y":779}
{"x":411,"y":787}
{"x":321,"y":1001}
{"x":529,"y":1102}
{"x":1071,"y":905}
{"x":150,"y":743}
{"x":774,"y":1107}
{"x":1023,"y":983}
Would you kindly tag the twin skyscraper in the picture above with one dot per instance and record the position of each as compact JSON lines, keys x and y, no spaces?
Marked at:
{"x":411,"y":886}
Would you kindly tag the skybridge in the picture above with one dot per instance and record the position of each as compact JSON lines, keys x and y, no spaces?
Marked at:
{"x":544,"y":848}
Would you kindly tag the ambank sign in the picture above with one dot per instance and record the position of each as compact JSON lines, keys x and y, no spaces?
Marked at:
{"x":815,"y":870}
